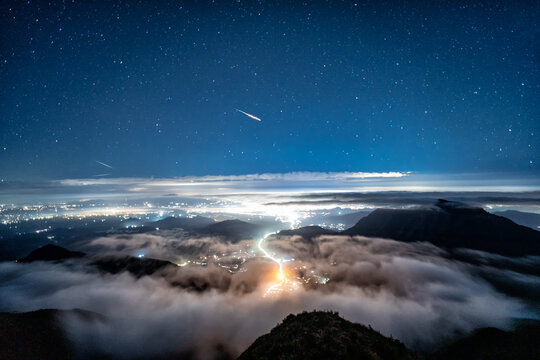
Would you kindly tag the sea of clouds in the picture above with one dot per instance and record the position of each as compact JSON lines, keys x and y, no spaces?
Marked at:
{"x":415,"y":292}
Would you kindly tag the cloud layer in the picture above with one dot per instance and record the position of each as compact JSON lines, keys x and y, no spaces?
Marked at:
{"x":411,"y":291}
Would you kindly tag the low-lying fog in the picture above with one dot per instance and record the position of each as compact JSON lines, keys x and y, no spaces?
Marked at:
{"x":414,"y":292}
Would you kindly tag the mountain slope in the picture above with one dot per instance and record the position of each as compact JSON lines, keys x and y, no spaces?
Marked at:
{"x":451,"y":225}
{"x":531,"y":220}
{"x":112,"y":264}
{"x":324,"y":335}
{"x":51,"y":253}
{"x":35,"y":335}
{"x":233,"y":229}
{"x":138,"y":267}
{"x":308,"y":232}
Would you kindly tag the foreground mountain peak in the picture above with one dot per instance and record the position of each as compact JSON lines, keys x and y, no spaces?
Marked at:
{"x":324,"y":335}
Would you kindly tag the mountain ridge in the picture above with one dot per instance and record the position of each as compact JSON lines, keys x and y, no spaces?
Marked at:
{"x":324,"y":335}
{"x":450,"y":225}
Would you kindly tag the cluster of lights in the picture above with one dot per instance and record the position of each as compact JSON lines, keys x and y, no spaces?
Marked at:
{"x":284,"y":283}
{"x":233,"y":262}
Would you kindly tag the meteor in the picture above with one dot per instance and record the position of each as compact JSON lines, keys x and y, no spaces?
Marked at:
{"x":251,"y":116}
{"x":106,"y":165}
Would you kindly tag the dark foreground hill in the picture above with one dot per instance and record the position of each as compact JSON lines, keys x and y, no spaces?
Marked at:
{"x":316,"y":335}
{"x":451,"y":225}
{"x":496,"y":344}
{"x":324,"y":335}
{"x":36,"y":335}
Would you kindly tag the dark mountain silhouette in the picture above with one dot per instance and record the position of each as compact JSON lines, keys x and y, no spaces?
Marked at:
{"x":324,"y":335}
{"x":51,"y":253}
{"x":308,"y":232}
{"x":185,"y":223}
{"x":531,"y":220}
{"x":112,"y":264}
{"x":316,"y":335}
{"x":233,"y":229}
{"x":37,"y":335}
{"x":137,"y":266}
{"x":16,"y":242}
{"x":495,"y":344}
{"x":451,"y":225}
{"x":21,"y":238}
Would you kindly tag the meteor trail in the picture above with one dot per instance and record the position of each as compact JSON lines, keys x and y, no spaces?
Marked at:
{"x":106,"y":165}
{"x":251,"y":116}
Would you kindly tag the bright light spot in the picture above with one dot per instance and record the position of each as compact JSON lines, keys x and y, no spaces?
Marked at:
{"x":285,"y":284}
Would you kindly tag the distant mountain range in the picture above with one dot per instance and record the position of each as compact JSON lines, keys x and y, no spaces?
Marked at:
{"x":445,"y":224}
{"x":233,"y":229}
{"x":112,"y":264}
{"x":308,"y":232}
{"x":13,"y":246}
{"x":51,"y":253}
{"x":451,"y":225}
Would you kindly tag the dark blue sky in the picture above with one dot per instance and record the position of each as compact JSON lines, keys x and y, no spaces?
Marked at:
{"x":150,"y":87}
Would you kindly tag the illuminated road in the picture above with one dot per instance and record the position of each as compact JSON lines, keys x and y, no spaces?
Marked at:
{"x":285,"y":284}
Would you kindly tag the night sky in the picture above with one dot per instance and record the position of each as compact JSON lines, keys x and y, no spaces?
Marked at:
{"x":150,"y":88}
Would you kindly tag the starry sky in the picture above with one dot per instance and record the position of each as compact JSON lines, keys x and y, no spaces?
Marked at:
{"x":150,"y":88}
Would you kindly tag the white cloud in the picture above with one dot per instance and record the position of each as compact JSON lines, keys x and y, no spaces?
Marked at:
{"x":410,"y":291}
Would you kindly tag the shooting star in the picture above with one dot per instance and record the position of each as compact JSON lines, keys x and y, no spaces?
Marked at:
{"x":251,"y":116}
{"x":106,"y":165}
